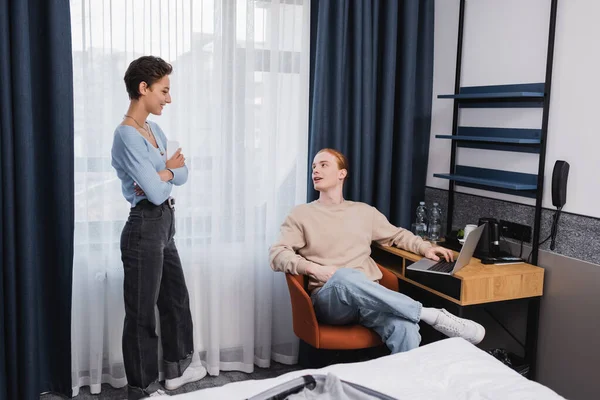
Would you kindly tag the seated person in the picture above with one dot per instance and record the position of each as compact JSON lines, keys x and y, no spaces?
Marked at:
{"x":330,"y":241}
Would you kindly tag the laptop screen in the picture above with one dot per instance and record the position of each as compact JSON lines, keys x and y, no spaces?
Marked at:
{"x":468,"y":248}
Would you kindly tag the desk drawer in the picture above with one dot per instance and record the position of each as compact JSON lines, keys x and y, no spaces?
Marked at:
{"x":445,"y":284}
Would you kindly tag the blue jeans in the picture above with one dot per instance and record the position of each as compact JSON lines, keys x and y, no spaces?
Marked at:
{"x":350,"y":298}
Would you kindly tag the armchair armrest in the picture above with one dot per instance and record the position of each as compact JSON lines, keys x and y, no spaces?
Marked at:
{"x":303,"y":313}
{"x":389,"y":280}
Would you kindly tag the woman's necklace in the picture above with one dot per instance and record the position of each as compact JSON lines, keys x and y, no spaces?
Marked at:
{"x":147,"y":130}
{"x":137,"y":123}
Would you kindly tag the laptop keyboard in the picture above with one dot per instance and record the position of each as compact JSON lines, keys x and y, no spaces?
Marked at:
{"x":442,"y":266}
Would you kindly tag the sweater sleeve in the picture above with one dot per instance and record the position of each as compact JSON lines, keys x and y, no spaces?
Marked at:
{"x":387,"y":234}
{"x":283,"y":256}
{"x":180,"y":175}
{"x":131,"y":152}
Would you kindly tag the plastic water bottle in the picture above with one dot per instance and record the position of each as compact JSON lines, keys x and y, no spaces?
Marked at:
{"x":435,"y":222}
{"x":421,"y":221}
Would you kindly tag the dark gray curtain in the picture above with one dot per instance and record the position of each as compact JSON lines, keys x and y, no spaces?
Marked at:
{"x":370,"y":97}
{"x":36,"y":198}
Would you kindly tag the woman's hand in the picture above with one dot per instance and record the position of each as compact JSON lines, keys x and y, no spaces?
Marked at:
{"x":322,"y":273}
{"x":177,"y":161}
{"x":165,"y":175}
{"x":433,"y":252}
{"x":138,"y":190}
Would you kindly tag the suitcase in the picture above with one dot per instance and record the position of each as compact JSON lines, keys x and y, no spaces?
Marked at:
{"x":310,"y":382}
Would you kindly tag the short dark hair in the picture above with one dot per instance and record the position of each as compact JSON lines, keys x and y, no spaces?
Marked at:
{"x":147,"y":69}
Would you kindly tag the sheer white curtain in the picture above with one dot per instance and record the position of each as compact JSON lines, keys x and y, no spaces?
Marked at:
{"x":240,"y":113}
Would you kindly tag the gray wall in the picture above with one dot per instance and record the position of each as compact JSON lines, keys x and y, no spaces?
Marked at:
{"x":568,"y":346}
{"x":578,"y":236}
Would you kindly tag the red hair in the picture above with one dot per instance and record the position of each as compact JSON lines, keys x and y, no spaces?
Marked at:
{"x":341,"y":160}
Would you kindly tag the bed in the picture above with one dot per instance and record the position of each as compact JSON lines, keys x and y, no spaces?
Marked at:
{"x":447,"y":369}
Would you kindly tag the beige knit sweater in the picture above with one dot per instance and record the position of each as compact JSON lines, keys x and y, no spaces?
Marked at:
{"x":337,"y":235}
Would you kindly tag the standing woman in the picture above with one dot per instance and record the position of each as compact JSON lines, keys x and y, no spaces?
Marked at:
{"x":153,"y":273}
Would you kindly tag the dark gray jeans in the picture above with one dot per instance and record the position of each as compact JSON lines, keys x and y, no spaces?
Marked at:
{"x":153,"y":276}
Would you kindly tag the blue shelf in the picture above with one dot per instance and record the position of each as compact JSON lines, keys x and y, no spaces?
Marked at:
{"x":492,"y":179}
{"x":507,"y":139}
{"x":521,"y":95}
{"x":488,"y":139}
{"x":506,"y":95}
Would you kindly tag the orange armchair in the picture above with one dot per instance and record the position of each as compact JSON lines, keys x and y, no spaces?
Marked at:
{"x":331,"y":337}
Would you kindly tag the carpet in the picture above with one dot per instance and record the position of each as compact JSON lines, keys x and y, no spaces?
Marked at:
{"x":110,"y":393}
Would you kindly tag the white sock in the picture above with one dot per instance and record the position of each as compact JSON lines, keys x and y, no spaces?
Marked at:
{"x":429,"y":315}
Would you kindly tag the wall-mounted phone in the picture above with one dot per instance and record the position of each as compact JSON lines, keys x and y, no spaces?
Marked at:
{"x":560,"y":175}
{"x":559,"y":183}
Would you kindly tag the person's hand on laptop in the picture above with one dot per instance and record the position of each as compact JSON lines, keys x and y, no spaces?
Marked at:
{"x":434,"y":253}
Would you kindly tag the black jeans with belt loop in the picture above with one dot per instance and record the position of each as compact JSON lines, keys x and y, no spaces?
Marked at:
{"x":154,"y":276}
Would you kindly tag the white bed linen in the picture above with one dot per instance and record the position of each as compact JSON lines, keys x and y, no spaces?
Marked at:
{"x":447,"y":369}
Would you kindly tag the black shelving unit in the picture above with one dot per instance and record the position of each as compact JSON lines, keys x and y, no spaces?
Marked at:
{"x":536,"y":95}
{"x":527,"y":95}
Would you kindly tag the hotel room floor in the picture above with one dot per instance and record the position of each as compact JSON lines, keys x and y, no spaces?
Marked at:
{"x":110,"y":393}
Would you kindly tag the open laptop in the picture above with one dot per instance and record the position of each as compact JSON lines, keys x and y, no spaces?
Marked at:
{"x":449,"y":268}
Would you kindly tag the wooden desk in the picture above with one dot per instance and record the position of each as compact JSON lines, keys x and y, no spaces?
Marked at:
{"x":479,"y":283}
{"x":475,"y":285}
